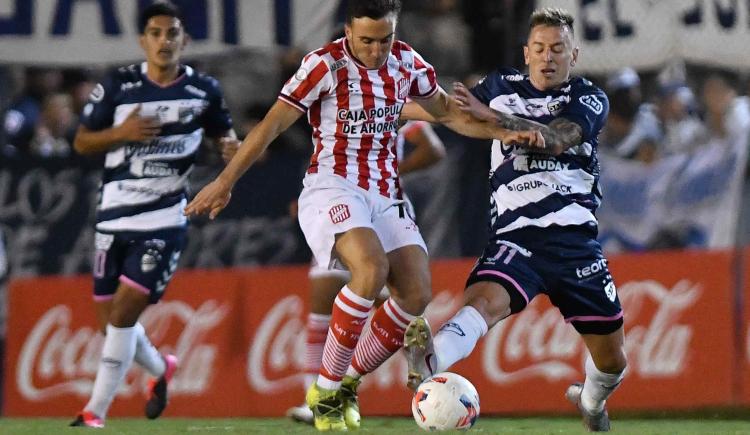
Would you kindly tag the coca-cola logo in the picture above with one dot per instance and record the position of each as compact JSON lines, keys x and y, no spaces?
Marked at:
{"x":57,"y":359}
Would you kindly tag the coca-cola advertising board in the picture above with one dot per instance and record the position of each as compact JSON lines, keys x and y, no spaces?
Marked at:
{"x":240,"y":339}
{"x":744,"y":344}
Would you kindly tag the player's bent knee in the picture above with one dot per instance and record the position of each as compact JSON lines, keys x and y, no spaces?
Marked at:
{"x":369,"y":277}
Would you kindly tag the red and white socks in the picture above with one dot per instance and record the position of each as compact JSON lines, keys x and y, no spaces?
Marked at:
{"x":383,"y":338}
{"x":317,"y":330}
{"x":348,"y":318}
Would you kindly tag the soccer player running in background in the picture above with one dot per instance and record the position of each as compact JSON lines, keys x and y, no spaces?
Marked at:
{"x":149,"y":119}
{"x":542,"y":218}
{"x":326,"y":283}
{"x":351,"y":208}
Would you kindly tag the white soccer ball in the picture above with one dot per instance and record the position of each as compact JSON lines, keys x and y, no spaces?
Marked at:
{"x":445,"y":401}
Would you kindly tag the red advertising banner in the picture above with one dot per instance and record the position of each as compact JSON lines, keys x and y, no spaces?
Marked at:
{"x":744,"y":345}
{"x":240,"y":339}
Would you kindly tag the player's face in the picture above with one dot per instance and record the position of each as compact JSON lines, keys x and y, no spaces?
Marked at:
{"x":550,"y":55}
{"x":371,"y":40}
{"x":163,"y":40}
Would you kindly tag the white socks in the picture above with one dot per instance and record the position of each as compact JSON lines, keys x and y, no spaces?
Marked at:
{"x":457,"y":337}
{"x":117,"y":356}
{"x":598,"y":386}
{"x":146,"y":354}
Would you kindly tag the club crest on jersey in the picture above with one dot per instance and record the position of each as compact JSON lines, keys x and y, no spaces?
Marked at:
{"x":301,"y":74}
{"x":403,"y":88}
{"x":610,"y":291}
{"x":339,"y":213}
{"x":97,"y":94}
{"x":592,"y":103}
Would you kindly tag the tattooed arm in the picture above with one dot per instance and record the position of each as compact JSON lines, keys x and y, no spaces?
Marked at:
{"x":559,"y":135}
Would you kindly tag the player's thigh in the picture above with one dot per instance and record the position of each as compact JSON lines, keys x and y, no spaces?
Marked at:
{"x":109,"y":253}
{"x":151,"y":261}
{"x":409,"y":278}
{"x":395,"y":225}
{"x":582,"y":287}
{"x":503,"y":281}
{"x":362,"y":253}
{"x":325,"y":213}
{"x":607,"y":350}
{"x":127,"y":305}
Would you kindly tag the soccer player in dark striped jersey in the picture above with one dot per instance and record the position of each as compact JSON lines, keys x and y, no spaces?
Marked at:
{"x":543,"y":228}
{"x":150,"y":120}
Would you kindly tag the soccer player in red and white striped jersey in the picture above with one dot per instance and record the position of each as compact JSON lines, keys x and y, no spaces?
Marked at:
{"x":351,"y":208}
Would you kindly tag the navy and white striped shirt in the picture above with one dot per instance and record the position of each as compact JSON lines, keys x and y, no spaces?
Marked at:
{"x":536,"y":190}
{"x":143,"y":185}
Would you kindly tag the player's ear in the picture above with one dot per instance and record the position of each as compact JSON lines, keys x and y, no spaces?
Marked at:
{"x":526,"y":54}
{"x":186,"y":40}
{"x":574,"y":58}
{"x":348,"y":31}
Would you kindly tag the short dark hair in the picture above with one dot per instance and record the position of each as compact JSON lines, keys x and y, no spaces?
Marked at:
{"x":555,"y":17}
{"x":156,"y":9}
{"x":375,"y":9}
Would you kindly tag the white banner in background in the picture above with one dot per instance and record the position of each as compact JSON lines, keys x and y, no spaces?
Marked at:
{"x":69,"y":32}
{"x":687,"y":199}
{"x":646,"y":33}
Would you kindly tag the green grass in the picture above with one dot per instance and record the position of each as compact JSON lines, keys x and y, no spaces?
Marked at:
{"x":562,"y":425}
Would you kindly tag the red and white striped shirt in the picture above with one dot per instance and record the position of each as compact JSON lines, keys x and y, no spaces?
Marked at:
{"x":354,"y":111}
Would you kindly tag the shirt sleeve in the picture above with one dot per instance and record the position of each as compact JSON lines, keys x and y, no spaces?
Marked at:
{"x":217,"y":119}
{"x":423,"y":78}
{"x":588,"y":108}
{"x":99,"y":111}
{"x":311,"y":81}
{"x":486,"y":89}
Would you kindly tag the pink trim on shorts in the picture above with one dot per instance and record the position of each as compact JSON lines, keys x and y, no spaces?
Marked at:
{"x":135,"y":285}
{"x":100,"y":298}
{"x":593,"y":318}
{"x":507,"y":278}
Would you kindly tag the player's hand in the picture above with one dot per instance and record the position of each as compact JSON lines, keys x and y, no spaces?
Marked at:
{"x":229,"y":147}
{"x":530,"y":139}
{"x":469,"y":104}
{"x":137,"y":128}
{"x":211,"y":199}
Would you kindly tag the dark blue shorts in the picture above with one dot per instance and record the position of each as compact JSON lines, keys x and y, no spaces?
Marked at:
{"x":566,"y":264}
{"x":143,"y":260}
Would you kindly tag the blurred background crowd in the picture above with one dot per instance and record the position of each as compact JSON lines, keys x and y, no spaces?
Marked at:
{"x":664,"y":123}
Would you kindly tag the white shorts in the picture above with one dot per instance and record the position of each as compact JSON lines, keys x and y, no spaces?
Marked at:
{"x":331,"y":205}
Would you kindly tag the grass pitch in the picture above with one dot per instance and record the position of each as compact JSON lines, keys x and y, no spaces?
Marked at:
{"x":372,"y":425}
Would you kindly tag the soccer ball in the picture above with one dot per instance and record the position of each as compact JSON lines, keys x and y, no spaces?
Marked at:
{"x":445,"y":401}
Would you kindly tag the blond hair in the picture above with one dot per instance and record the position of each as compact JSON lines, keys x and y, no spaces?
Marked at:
{"x":551,"y":17}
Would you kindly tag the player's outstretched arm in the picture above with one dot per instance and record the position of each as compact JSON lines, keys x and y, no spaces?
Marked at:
{"x":559,"y":135}
{"x":135,"y":128}
{"x":215,"y":196}
{"x":445,"y":110}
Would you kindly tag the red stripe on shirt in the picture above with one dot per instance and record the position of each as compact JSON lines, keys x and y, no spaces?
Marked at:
{"x":313,"y":78}
{"x":342,"y":103}
{"x":365,"y":143}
